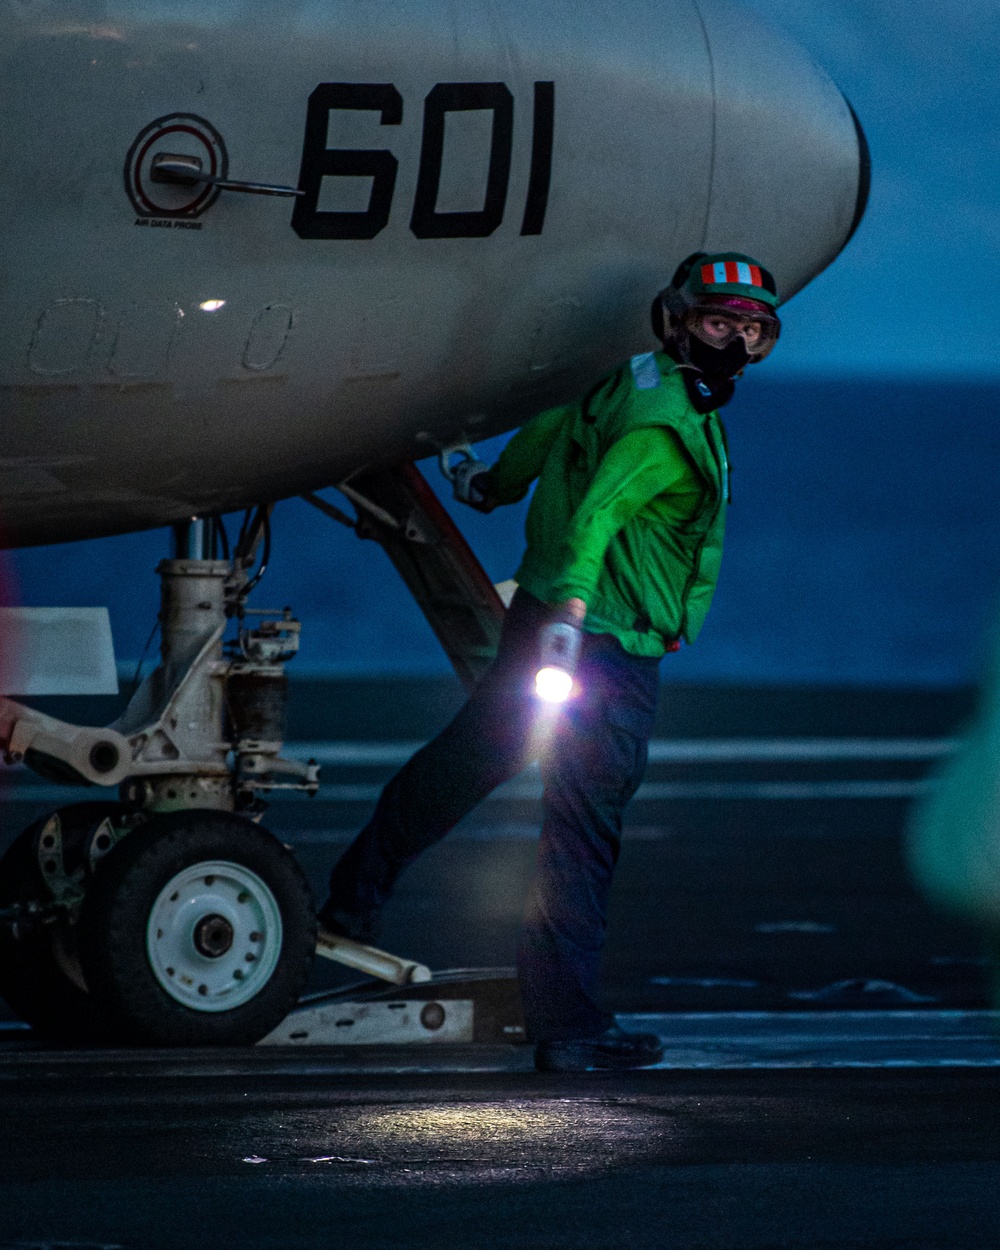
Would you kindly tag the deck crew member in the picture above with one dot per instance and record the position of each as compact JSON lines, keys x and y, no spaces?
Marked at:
{"x":624,"y":539}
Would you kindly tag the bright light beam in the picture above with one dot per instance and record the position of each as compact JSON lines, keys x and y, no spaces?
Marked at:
{"x":553,"y":685}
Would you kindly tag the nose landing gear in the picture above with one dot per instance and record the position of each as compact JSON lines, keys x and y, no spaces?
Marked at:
{"x":171,"y":917}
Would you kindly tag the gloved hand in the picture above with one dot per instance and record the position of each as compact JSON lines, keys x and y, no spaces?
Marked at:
{"x":573,"y":611}
{"x":470,"y":480}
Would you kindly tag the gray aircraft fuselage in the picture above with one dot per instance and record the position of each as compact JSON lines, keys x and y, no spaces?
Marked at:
{"x":490,"y":195}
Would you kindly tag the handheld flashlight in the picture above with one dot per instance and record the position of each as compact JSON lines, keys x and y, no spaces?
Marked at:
{"x":559,"y":652}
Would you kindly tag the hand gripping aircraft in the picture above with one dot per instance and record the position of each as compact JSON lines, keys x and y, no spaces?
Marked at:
{"x":251,"y":251}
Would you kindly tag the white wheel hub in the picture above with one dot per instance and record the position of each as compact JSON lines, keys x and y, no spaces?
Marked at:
{"x":214,"y":936}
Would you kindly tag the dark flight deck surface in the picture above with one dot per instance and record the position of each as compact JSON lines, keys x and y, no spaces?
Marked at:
{"x":714,"y":1161}
{"x":763,"y":922}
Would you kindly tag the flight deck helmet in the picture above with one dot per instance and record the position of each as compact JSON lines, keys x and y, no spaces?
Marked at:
{"x":731,"y":284}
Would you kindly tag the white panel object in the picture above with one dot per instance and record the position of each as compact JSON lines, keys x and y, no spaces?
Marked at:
{"x":56,"y":651}
{"x":375,"y":1023}
{"x":506,"y":590}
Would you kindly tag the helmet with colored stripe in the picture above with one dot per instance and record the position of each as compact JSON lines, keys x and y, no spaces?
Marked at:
{"x":727,"y":273}
{"x":731,"y":284}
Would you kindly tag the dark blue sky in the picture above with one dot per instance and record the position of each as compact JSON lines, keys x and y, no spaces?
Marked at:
{"x":915,"y":291}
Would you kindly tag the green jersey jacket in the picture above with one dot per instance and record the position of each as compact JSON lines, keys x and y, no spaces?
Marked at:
{"x":629,"y":511}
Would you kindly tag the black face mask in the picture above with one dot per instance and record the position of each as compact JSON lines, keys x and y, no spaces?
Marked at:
{"x":717,"y":362}
{"x":711,"y":386}
{"x":705,"y":393}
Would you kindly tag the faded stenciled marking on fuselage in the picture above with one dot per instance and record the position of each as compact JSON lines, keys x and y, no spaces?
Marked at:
{"x":64,"y":336}
{"x":82,"y":341}
{"x":268,"y":337}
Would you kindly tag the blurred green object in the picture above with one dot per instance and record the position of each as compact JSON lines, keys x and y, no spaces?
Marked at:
{"x":954,"y":834}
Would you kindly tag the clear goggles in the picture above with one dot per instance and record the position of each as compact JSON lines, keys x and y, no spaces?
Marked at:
{"x":718,"y":325}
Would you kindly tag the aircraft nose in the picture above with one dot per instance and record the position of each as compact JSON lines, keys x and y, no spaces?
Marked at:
{"x":780,"y":123}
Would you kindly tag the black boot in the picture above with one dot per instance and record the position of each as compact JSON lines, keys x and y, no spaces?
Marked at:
{"x":614,"y":1048}
{"x":357,"y":926}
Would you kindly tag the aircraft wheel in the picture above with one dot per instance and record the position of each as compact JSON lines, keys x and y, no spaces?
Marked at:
{"x":198,"y":931}
{"x":40,"y":975}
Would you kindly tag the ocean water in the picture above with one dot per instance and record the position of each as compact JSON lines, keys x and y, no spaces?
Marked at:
{"x":863,"y":548}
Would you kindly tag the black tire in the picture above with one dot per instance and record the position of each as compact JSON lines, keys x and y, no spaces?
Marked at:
{"x":119,"y":969}
{"x":38,"y":978}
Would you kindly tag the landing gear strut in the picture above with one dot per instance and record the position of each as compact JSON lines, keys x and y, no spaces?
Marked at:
{"x":172,"y":916}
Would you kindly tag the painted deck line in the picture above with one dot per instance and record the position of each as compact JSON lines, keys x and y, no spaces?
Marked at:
{"x":654,"y":791}
{"x":499,"y":830}
{"x":18,"y":784}
{"x":658,"y":792}
{"x":737,"y":1041}
{"x":670,"y":750}
{"x":825,"y":1039}
{"x":529,"y":790}
{"x":661,"y":751}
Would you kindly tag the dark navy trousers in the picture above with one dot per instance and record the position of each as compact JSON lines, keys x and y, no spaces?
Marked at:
{"x":592,"y":751}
